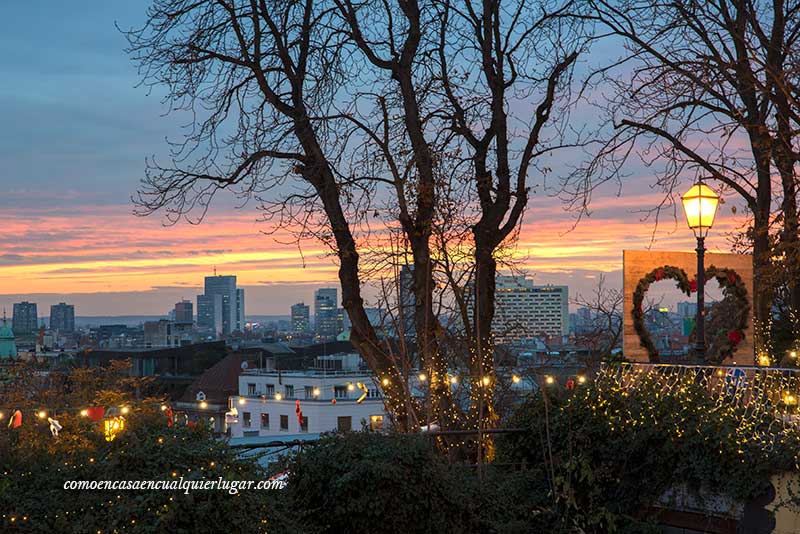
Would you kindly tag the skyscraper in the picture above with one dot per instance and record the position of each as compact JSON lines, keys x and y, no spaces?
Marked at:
{"x":26,"y":318}
{"x":184,"y":312}
{"x":408,"y":300}
{"x":62,"y":317}
{"x":222,"y":308}
{"x":209,"y":313}
{"x":300,"y":318}
{"x":326,"y":314}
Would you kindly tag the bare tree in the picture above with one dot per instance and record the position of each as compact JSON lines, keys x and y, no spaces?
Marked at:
{"x":699,"y":89}
{"x":603,"y":333}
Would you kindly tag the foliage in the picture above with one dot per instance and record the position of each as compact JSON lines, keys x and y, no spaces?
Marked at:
{"x":368,"y":482}
{"x":37,"y":466}
{"x":616,"y":450}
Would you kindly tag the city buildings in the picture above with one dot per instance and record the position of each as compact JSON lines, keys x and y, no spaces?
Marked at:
{"x":311,"y":401}
{"x":62,"y":317}
{"x":524,"y":310}
{"x":220,"y":309}
{"x":25,"y":319}
{"x":184,"y":312}
{"x":300,"y":318}
{"x":327,"y":319}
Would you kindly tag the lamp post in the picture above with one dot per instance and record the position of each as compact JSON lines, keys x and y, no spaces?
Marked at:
{"x":700,"y":205}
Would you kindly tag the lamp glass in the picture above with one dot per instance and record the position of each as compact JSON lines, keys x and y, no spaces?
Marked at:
{"x":700,"y":206}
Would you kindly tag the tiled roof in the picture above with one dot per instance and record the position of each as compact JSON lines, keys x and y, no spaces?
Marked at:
{"x":218,"y":382}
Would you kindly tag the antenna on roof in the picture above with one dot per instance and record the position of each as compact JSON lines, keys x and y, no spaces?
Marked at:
{"x":215,"y":270}
{"x":4,"y":315}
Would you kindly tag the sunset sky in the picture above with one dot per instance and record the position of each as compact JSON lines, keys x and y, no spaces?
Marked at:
{"x":75,"y":134}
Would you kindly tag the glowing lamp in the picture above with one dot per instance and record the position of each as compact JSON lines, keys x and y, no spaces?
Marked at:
{"x":700,"y":206}
{"x":278,"y":396}
{"x":515,"y":379}
{"x":423,"y":377}
{"x":242,"y":400}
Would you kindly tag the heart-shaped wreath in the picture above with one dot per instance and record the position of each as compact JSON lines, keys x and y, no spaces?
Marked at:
{"x":733,"y":309}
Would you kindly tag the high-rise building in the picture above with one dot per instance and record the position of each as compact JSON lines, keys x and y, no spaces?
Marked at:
{"x":62,"y":317}
{"x":222,"y":307}
{"x":209,"y":313}
{"x":184,"y":312}
{"x":300,"y":318}
{"x":408,"y":300}
{"x":25,"y":319}
{"x":523,"y":310}
{"x":687,"y":309}
{"x":326,"y":312}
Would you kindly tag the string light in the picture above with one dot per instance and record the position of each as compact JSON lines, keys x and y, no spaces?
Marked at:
{"x":41,"y":414}
{"x":515,"y":379}
{"x":486,"y":380}
{"x":385,"y":381}
{"x":454,"y":379}
{"x":581,"y":379}
{"x":549,"y":379}
{"x":124,"y":410}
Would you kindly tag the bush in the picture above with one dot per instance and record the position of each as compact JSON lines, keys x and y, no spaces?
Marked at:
{"x":368,"y":482}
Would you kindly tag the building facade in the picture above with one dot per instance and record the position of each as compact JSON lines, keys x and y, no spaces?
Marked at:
{"x":184,"y":312}
{"x":25,"y":319}
{"x":301,"y":322}
{"x":272,"y":403}
{"x":524,"y":310}
{"x":209,"y":314}
{"x":326,"y":312}
{"x":62,"y":317}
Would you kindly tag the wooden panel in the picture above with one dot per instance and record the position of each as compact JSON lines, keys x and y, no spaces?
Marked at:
{"x":637,"y":263}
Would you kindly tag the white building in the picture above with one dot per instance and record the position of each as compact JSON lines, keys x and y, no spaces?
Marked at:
{"x":523,"y":310}
{"x":269,"y":401}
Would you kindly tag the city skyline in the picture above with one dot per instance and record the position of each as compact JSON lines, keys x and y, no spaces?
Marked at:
{"x":68,"y":228}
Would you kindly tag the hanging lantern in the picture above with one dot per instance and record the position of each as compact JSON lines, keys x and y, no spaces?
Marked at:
{"x":113,"y":426}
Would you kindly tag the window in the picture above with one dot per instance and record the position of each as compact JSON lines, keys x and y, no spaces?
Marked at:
{"x":246,"y":419}
{"x":264,"y":420}
{"x":376,"y":422}
{"x":344,"y":424}
{"x":284,"y":422}
{"x":251,"y":390}
{"x":270,"y":390}
{"x":304,"y":424}
{"x":309,"y":392}
{"x":288,"y":391}
{"x":340,"y":392}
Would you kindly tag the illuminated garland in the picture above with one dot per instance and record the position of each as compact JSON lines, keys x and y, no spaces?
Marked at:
{"x":763,"y":401}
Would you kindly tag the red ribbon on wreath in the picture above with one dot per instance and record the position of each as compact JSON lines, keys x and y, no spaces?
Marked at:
{"x":693,"y":286}
{"x":731,"y":277}
{"x":659,"y":275}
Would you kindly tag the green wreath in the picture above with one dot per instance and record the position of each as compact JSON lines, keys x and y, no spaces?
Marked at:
{"x":656,"y":275}
{"x":723,"y":340}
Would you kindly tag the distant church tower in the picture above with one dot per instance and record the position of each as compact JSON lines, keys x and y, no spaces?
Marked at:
{"x":8,"y":347}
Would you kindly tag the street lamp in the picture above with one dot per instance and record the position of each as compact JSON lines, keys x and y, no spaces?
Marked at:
{"x":700,"y":205}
